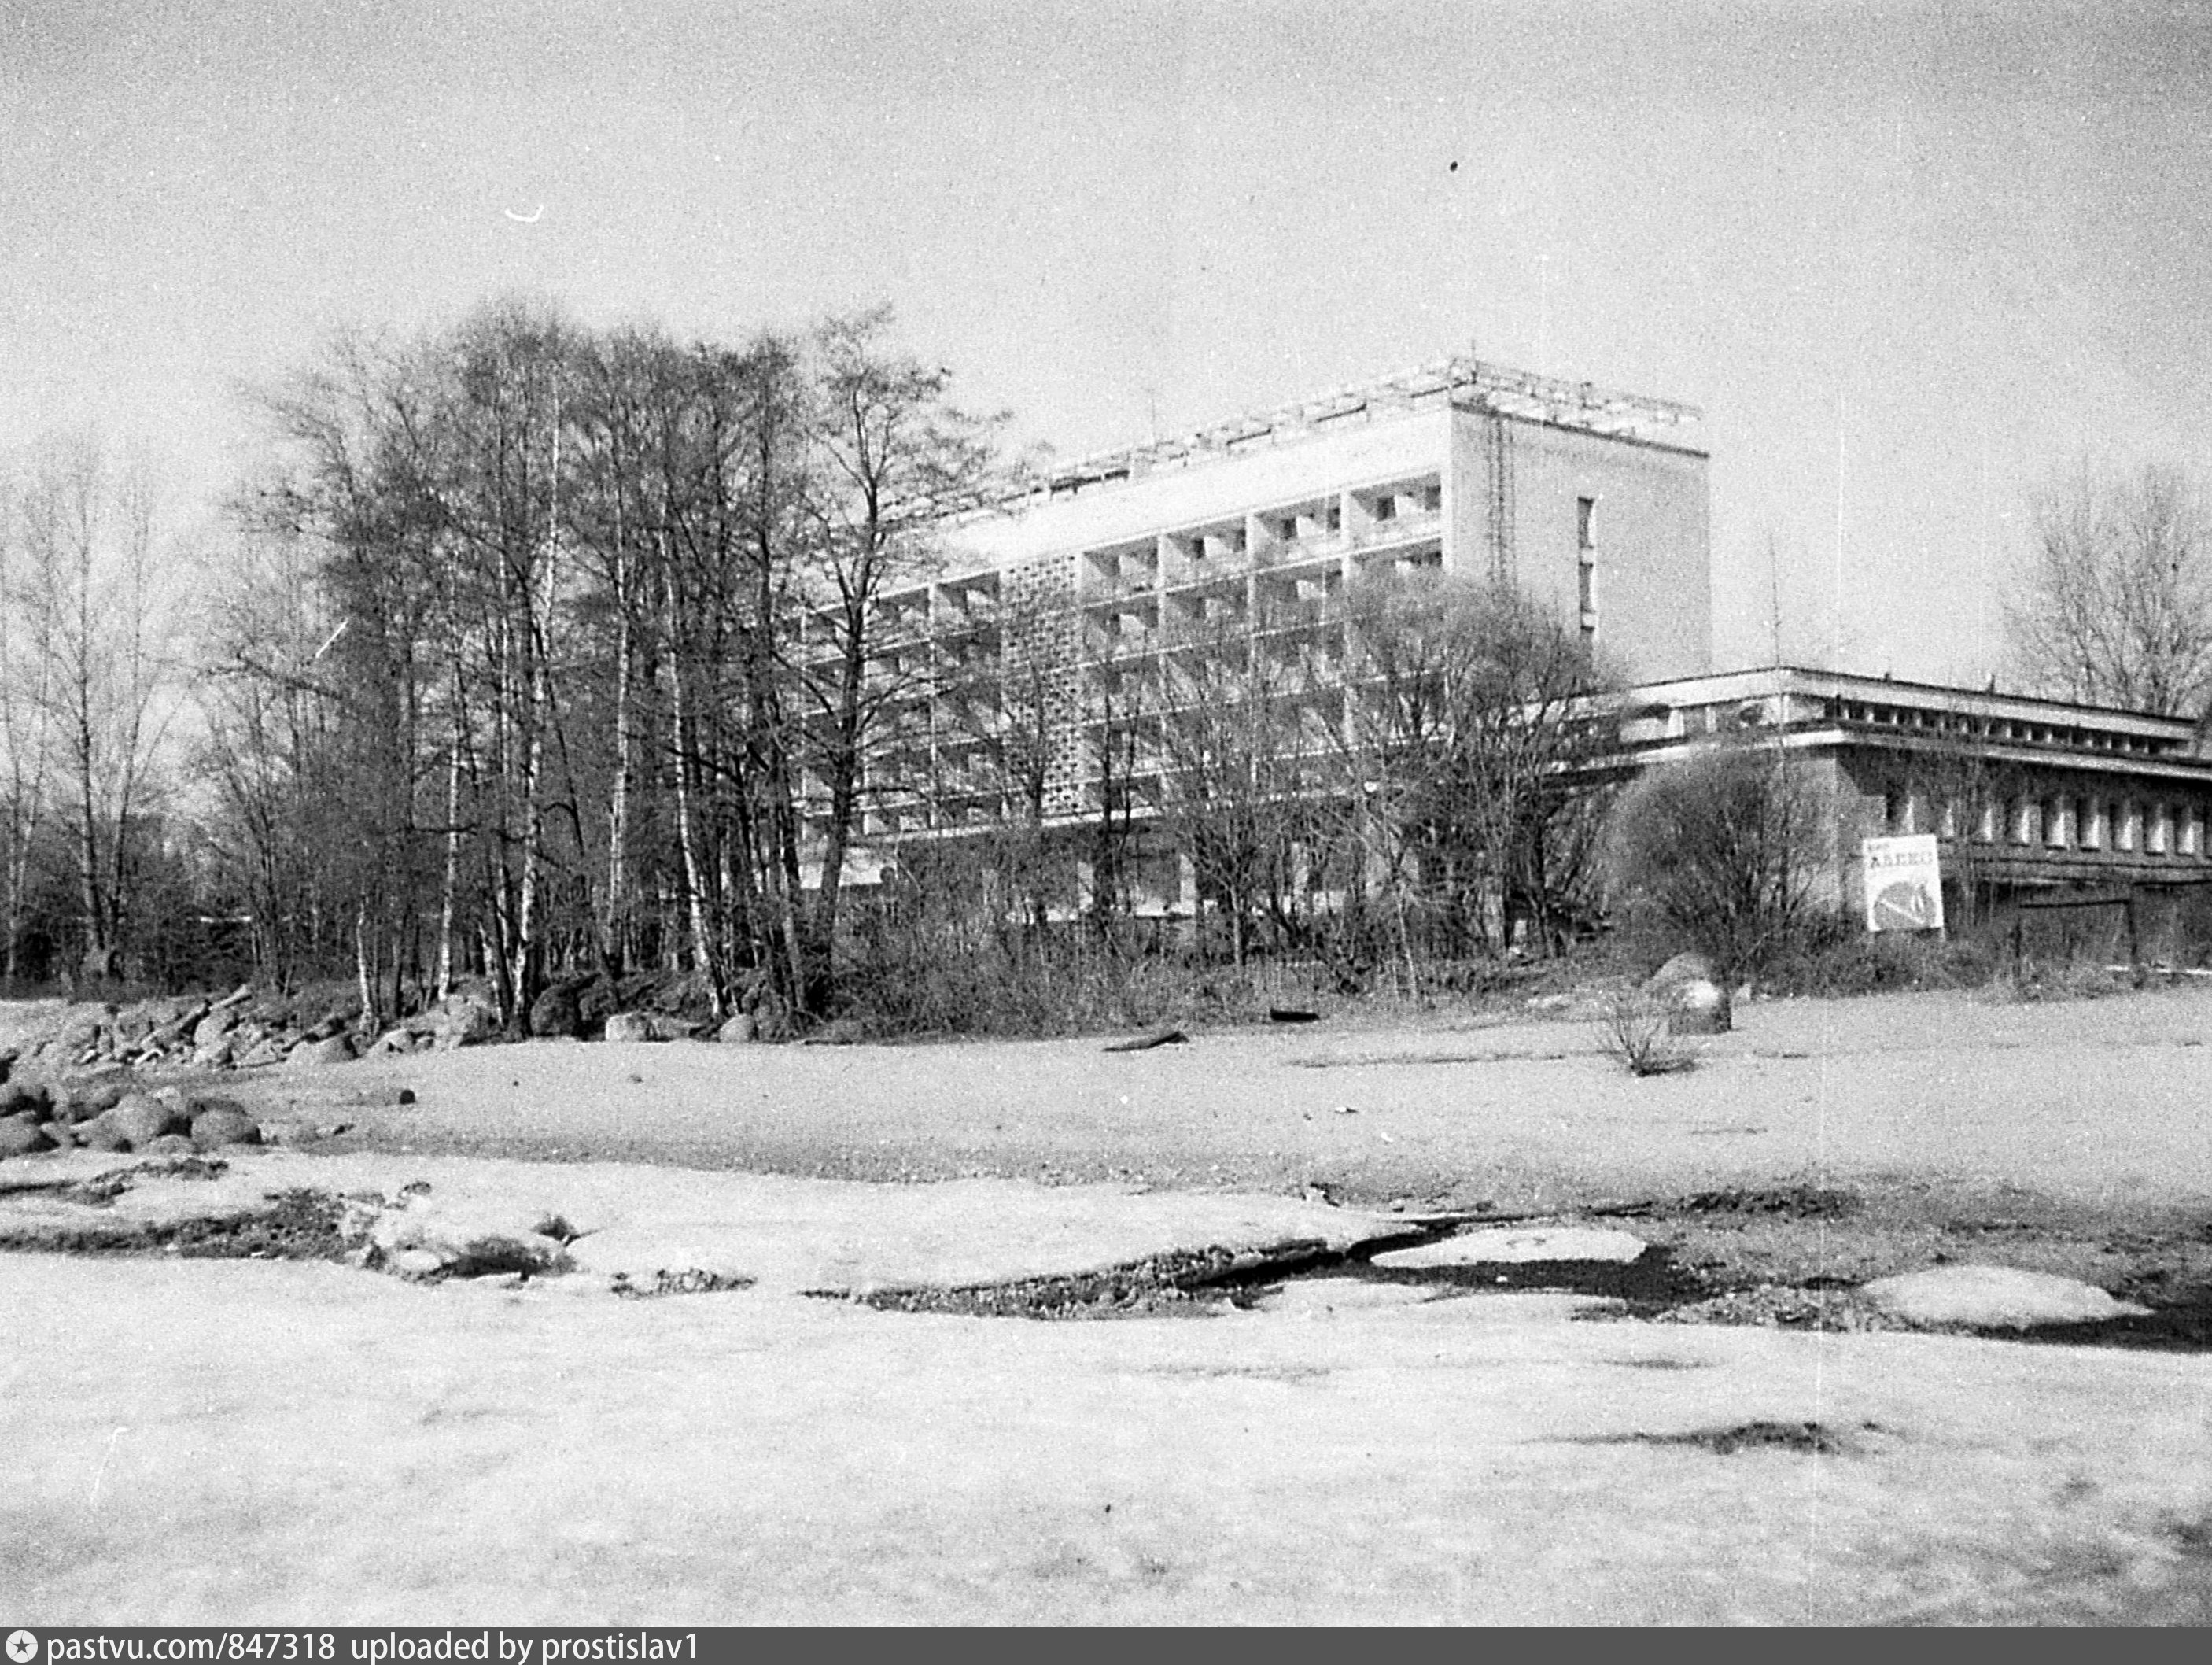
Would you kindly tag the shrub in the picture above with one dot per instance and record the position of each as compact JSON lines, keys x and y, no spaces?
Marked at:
{"x":1638,"y":1034}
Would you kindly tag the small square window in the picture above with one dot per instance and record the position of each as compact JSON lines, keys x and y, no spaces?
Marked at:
{"x":1585,"y":522}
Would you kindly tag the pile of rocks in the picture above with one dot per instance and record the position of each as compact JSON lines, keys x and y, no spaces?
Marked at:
{"x":107,"y":1112}
{"x":239,"y":1031}
{"x":640,"y":1007}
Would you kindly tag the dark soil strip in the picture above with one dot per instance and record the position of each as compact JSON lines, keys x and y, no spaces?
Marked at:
{"x":694,"y":1281}
{"x":1382,"y":1060}
{"x":1796,"y":1202}
{"x":1162,"y":1283}
{"x":297,"y":1225}
{"x":1809,"y":1439}
{"x":1146,"y":1043}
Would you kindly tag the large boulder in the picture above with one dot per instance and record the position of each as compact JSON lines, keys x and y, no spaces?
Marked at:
{"x":221,"y":1124}
{"x":1683,"y":969}
{"x":555,"y":1014}
{"x":629,"y":1028}
{"x":310,"y":1054}
{"x":25,"y":1098}
{"x":667,"y":1027}
{"x":101,"y":1134}
{"x":1686,"y":989}
{"x":141,"y":1118}
{"x":464,"y":1021}
{"x":81,"y":1098}
{"x":214,"y":1026}
{"x":738,"y":1030}
{"x":22,"y":1136}
{"x":596,"y":1002}
{"x":266,"y":1049}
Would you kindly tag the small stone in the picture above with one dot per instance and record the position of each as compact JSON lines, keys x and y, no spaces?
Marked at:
{"x":407,"y":1095}
{"x":629,"y":1029}
{"x":63,"y":1135}
{"x":738,"y":1031}
{"x":665,"y":1028}
{"x":264,"y":1051}
{"x":168,"y":1144}
{"x":417,"y":1263}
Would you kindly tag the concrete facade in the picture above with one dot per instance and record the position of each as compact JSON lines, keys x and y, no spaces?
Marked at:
{"x":1252,"y":535}
{"x":2023,"y":795}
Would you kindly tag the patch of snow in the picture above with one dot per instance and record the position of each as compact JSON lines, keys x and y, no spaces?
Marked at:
{"x":1516,"y":1246}
{"x":1992,"y":1297}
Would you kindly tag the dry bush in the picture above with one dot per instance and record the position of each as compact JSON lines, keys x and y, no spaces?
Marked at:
{"x":1636,"y":1034}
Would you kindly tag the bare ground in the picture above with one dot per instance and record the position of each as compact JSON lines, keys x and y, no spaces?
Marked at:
{"x":232,"y":1442}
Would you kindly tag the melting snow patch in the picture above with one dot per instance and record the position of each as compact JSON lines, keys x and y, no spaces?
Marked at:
{"x":1992,"y":1297}
{"x":1493,"y":1246}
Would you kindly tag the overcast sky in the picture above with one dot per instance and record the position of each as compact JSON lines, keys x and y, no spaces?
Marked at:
{"x":1952,"y":249}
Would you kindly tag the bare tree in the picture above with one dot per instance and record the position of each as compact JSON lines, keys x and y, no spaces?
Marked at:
{"x":893,"y":452}
{"x":1468,"y":722}
{"x":87,"y":577}
{"x":1239,"y":752}
{"x":27,"y":727}
{"x":2115,"y":606}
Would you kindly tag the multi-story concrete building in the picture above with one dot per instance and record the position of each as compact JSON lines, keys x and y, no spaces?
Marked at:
{"x":1248,"y":538}
{"x":1258,"y":530}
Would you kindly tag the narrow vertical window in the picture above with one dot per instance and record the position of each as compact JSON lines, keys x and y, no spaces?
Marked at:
{"x":1585,"y":523}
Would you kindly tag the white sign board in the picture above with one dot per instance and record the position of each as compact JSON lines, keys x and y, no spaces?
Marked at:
{"x":1903,"y":883}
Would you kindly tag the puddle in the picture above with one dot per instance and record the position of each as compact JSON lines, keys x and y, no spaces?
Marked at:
{"x":1651,"y":1282}
{"x":2173,"y":1326}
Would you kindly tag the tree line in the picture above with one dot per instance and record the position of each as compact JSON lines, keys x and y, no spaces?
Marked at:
{"x":535,"y":649}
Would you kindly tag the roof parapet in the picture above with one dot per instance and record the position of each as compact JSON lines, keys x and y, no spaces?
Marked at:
{"x":1469,"y":383}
